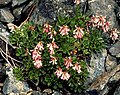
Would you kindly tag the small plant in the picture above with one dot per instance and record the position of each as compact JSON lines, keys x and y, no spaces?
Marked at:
{"x":55,"y":54}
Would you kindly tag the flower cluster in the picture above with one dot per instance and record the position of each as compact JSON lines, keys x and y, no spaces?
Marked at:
{"x":36,"y":55}
{"x":53,"y":60}
{"x":78,"y":32}
{"x":64,"y":30}
{"x":114,"y":34}
{"x":59,"y":57}
{"x":77,"y":67}
{"x":51,"y":47}
{"x":64,"y":75}
{"x":100,"y":22}
{"x":68,"y":63}
{"x":48,"y":29}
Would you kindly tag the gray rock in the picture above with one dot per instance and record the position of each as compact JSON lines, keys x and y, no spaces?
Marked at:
{"x":36,"y":93}
{"x":110,"y":63}
{"x":2,"y":28}
{"x":44,"y":94}
{"x":115,"y":49}
{"x":1,"y":93}
{"x":48,"y":10}
{"x":97,"y":65}
{"x":6,"y":16}
{"x":56,"y":93}
{"x":11,"y":85}
{"x":4,"y":34}
{"x":101,"y":81}
{"x":4,"y":2}
{"x":116,"y":77}
{"x":48,"y":91}
{"x":17,"y":11}
{"x":17,"y":2}
{"x":117,"y":91}
{"x":36,"y":16}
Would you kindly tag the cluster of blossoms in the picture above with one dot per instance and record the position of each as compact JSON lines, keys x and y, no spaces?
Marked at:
{"x":52,"y":46}
{"x":64,"y":75}
{"x":100,"y":22}
{"x":78,"y":32}
{"x":36,"y":55}
{"x":48,"y":29}
{"x":37,"y":52}
{"x":64,"y":30}
{"x":68,"y":63}
{"x":114,"y":34}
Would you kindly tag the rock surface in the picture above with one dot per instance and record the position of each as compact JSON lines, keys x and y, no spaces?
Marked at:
{"x":48,"y":10}
{"x":11,"y":85}
{"x":6,"y":16}
{"x":97,"y":65}
{"x":4,"y":2}
{"x":100,"y":83}
{"x":115,"y":49}
{"x":56,"y":93}
{"x":117,"y":91}
{"x":17,"y":2}
{"x":110,"y":63}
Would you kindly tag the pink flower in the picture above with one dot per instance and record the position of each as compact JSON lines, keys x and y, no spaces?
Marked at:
{"x":78,"y":32}
{"x":38,"y":64}
{"x":102,"y":20}
{"x":39,"y":46}
{"x":52,"y":34}
{"x":36,"y":55}
{"x":68,"y":62}
{"x":77,"y":67}
{"x":47,"y":28}
{"x":64,"y":30}
{"x":37,"y":59}
{"x":65,"y":76}
{"x":77,"y":2}
{"x":114,"y":34}
{"x":58,"y":72}
{"x":51,"y":49}
{"x":53,"y":60}
{"x":94,"y":19}
{"x":106,"y":26}
{"x":98,"y":21}
{"x":52,"y":46}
